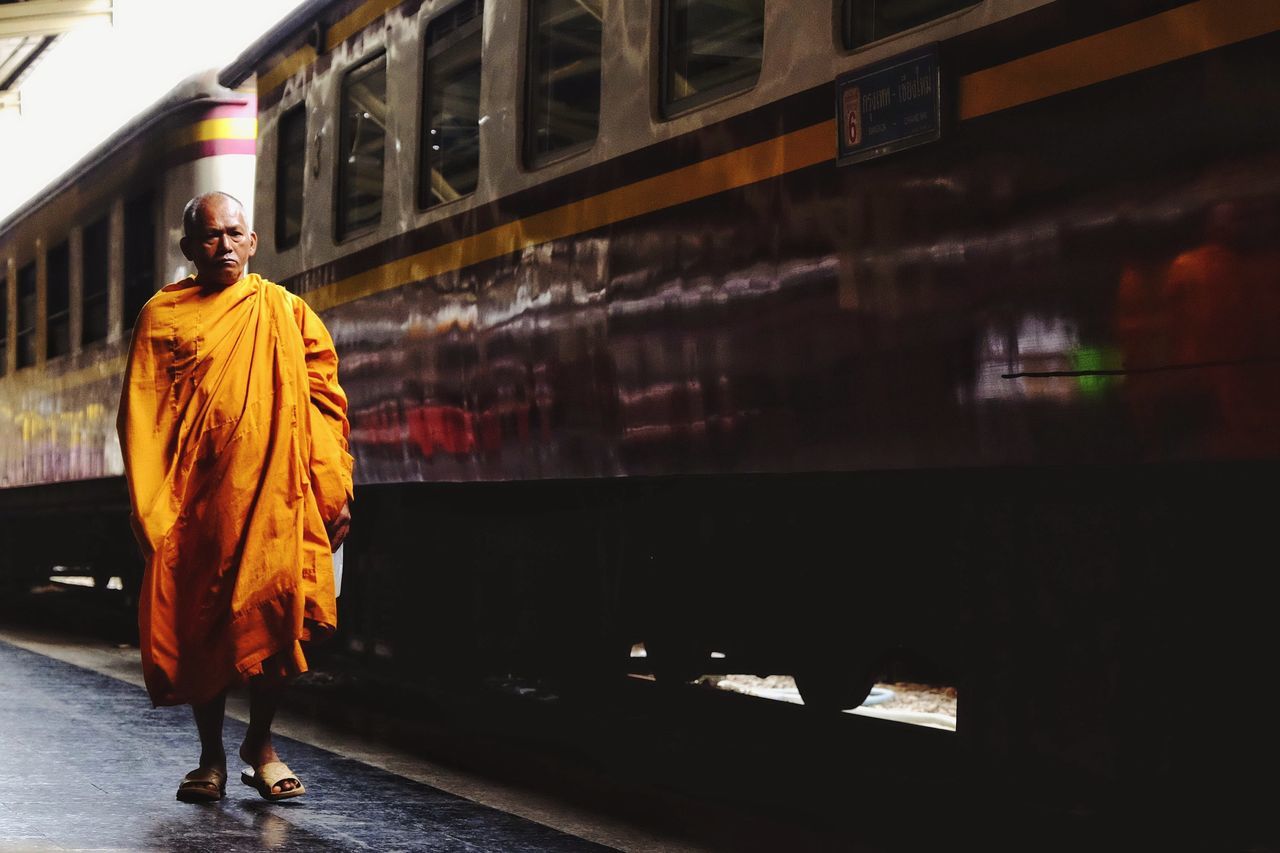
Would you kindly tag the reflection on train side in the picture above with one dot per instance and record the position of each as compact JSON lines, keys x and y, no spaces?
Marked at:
{"x":1142,"y":321}
{"x":552,"y":377}
{"x":1189,"y":339}
{"x":44,"y":447}
{"x":1035,"y":362}
{"x":1199,"y":332}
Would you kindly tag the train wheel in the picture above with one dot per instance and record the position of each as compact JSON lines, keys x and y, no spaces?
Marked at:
{"x":835,"y":687}
{"x":675,"y":660}
{"x":598,"y":669}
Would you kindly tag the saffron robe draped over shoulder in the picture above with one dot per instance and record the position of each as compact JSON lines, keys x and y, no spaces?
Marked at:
{"x":234,"y":434}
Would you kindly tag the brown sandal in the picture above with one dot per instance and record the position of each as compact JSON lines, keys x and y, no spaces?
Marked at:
{"x":203,"y":785}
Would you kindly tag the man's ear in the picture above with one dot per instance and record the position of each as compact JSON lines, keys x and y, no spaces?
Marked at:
{"x":253,"y":243}
{"x":185,"y":246}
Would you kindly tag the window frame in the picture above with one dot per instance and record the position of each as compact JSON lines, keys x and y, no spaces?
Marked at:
{"x":282,"y":244}
{"x":4,"y":317}
{"x":105,"y":222}
{"x":133,"y":202}
{"x":421,"y":190}
{"x":843,"y":24}
{"x":339,"y":235}
{"x":65,"y":314}
{"x":31,"y":330}
{"x":669,"y":109}
{"x":531,"y":160}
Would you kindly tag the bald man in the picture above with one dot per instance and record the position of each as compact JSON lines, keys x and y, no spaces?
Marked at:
{"x":234,"y":434}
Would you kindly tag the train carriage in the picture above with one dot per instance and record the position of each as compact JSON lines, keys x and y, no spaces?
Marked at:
{"x":814,"y":333}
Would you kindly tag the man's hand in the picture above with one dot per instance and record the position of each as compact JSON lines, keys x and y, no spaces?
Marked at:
{"x":338,"y":528}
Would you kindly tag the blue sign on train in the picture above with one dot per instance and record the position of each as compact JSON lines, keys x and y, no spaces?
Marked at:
{"x":890,"y":106}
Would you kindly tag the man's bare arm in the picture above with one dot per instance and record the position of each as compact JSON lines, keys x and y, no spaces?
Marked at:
{"x":339,"y":527}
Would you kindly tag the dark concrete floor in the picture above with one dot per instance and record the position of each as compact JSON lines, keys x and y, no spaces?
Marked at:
{"x":87,"y":764}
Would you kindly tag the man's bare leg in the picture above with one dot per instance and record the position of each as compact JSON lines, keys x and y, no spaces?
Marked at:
{"x":213,"y":756}
{"x":257,"y":749}
{"x":209,"y":725}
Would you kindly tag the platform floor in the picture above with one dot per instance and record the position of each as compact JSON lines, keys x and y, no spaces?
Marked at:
{"x":87,"y":764}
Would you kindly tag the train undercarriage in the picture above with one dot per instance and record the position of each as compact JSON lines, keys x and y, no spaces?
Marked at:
{"x":1058,"y":601}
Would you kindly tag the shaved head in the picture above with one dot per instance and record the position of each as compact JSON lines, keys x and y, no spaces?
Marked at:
{"x":191,"y":213}
{"x":216,"y":238}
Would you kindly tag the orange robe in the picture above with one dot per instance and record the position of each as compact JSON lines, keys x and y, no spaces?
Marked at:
{"x":234,"y":434}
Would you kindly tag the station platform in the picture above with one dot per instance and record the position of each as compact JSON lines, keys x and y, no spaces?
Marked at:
{"x":87,"y":764}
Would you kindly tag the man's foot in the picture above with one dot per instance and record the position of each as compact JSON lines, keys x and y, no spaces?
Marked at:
{"x":268,"y":780}
{"x":203,"y":785}
{"x":258,"y":756}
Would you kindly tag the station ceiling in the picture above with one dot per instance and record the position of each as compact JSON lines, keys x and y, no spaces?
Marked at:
{"x":29,"y":28}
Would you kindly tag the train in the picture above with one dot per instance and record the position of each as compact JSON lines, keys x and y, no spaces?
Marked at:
{"x":824,"y":335}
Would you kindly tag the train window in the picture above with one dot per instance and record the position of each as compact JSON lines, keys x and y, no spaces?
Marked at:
{"x":58,"y":301}
{"x":564,"y":77}
{"x":139,"y":254}
{"x":449,"y":149}
{"x":362,"y":149}
{"x":291,"y":159}
{"x":96,"y":264}
{"x":27,"y":315}
{"x":4,"y":325}
{"x":710,"y":48}
{"x":865,"y":21}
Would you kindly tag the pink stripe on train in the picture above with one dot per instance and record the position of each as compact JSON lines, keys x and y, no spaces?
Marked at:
{"x":249,"y":109}
{"x":210,"y":148}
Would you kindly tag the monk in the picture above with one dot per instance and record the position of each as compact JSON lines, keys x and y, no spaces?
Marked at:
{"x":234,"y":434}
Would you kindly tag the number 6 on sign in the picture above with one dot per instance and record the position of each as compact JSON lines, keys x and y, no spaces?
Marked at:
{"x":853,"y":116}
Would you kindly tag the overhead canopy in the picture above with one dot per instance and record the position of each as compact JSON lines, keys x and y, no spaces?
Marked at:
{"x":28,"y":28}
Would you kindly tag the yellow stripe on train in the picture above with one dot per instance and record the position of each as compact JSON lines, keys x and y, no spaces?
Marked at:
{"x":341,"y":30}
{"x":286,"y":68}
{"x":1177,"y":34}
{"x":360,"y":18}
{"x":808,"y":147}
{"x":241,"y":127}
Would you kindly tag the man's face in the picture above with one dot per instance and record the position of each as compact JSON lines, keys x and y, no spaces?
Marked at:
{"x":221,"y":243}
